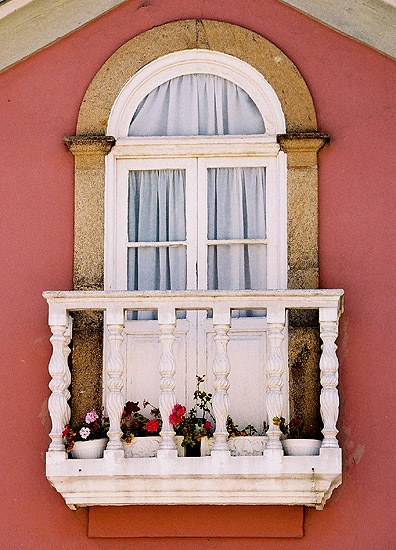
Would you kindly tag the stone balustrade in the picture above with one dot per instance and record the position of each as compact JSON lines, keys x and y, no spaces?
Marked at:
{"x":221,"y":303}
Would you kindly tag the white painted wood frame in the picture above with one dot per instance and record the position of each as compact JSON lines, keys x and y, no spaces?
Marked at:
{"x":195,"y":155}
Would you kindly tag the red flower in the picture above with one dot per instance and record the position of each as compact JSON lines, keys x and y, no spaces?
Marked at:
{"x":295,"y":423}
{"x":66,"y":431}
{"x":208,"y":425}
{"x":131,"y":407}
{"x":152,"y":426}
{"x":178,"y":412}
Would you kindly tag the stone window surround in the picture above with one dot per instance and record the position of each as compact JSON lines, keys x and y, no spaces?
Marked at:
{"x":90,"y":146}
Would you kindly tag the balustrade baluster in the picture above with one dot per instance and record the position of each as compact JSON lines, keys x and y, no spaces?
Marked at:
{"x":57,"y":403}
{"x":329,"y":401}
{"x":275,"y":369}
{"x":114,"y":371}
{"x":66,"y":349}
{"x":167,"y":369}
{"x":221,"y":370}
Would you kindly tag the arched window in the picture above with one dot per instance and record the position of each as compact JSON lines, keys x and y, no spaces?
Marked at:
{"x":196,"y":199}
{"x":196,"y":182}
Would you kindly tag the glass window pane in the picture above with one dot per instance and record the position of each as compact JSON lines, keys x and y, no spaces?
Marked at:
{"x":236,"y":203}
{"x":156,"y":268}
{"x":237,"y":267}
{"x":156,"y":209}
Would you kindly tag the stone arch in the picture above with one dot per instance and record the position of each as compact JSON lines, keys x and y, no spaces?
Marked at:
{"x":265,"y":57}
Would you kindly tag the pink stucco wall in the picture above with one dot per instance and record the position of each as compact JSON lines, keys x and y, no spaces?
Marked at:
{"x":354,"y":93}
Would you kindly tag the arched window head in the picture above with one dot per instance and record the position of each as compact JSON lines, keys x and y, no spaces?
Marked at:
{"x":196,"y":92}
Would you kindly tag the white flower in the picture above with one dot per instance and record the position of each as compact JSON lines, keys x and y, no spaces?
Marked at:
{"x":84,"y":432}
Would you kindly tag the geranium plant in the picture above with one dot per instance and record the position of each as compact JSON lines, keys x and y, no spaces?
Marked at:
{"x":234,"y":431}
{"x":134,"y":424}
{"x":94,"y":425}
{"x":292,"y":430}
{"x":191,"y":425}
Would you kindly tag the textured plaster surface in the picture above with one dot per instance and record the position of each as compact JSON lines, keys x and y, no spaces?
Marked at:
{"x":260,"y":521}
{"x":353,"y":90}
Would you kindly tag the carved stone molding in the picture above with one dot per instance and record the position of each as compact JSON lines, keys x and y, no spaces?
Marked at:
{"x":82,"y":145}
{"x":302,"y":147}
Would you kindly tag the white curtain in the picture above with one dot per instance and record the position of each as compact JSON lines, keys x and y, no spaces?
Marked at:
{"x":196,"y":104}
{"x":236,"y":210}
{"x":156,"y":214}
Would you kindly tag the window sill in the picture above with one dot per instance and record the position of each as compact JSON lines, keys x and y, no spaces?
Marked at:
{"x":272,"y":479}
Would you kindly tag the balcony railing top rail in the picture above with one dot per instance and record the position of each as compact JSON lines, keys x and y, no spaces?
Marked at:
{"x":76,"y":300}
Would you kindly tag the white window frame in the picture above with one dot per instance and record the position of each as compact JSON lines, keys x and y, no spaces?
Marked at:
{"x":132,"y":152}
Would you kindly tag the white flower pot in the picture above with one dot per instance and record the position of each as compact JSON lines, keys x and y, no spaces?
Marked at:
{"x":147,"y":447}
{"x":142,"y":447}
{"x":301,"y":447}
{"x":181,"y":451}
{"x":89,"y":449}
{"x":247,"y":445}
{"x":206,"y":445}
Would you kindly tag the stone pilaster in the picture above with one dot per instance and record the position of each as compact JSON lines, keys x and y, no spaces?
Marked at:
{"x":89,"y":158}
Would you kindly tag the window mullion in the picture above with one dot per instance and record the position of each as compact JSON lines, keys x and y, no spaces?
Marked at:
{"x":202,"y":222}
{"x":191,"y":223}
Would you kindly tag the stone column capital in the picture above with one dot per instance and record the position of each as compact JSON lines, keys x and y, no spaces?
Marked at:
{"x":302,"y":147}
{"x":89,"y":144}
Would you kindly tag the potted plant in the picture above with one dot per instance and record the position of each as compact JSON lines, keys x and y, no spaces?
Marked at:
{"x":88,"y":438}
{"x":140,"y":434}
{"x":293,"y":443}
{"x":192,"y":427}
{"x":246,"y":442}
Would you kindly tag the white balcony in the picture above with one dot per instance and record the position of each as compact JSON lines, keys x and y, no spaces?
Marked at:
{"x":220,"y":478}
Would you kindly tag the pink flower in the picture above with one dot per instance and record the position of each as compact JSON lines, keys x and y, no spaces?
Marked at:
{"x":208,"y":425}
{"x":91,"y":417}
{"x":84,"y":432}
{"x":152,"y":426}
